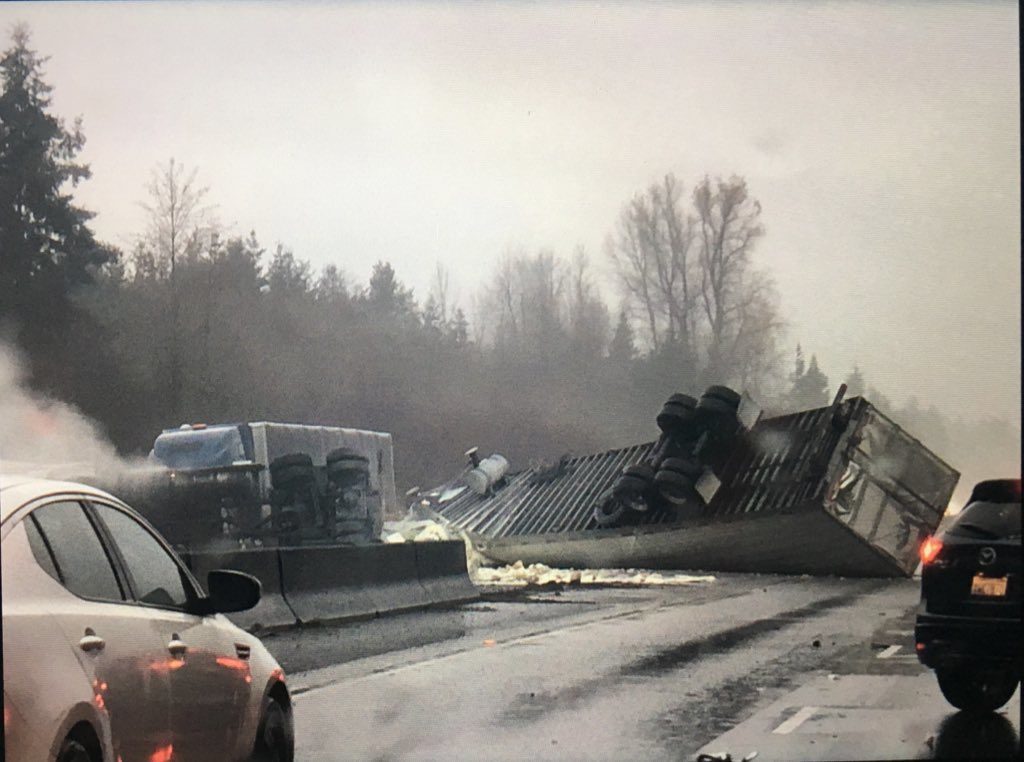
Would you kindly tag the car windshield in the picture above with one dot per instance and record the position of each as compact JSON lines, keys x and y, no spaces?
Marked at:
{"x":994,"y":520}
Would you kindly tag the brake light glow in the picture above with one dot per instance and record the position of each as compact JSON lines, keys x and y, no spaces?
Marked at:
{"x":929,"y":549}
{"x":162,"y":754}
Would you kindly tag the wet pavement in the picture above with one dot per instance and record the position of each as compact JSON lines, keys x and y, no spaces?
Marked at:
{"x":794,"y":668}
{"x":879,"y":703}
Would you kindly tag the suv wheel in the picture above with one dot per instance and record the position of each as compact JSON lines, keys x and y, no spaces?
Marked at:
{"x":976,"y":690}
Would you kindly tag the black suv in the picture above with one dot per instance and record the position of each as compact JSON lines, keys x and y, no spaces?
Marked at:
{"x":969,"y":620}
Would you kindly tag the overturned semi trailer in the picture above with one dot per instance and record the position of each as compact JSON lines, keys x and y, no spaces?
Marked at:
{"x":222,"y":486}
{"x":836,"y":490}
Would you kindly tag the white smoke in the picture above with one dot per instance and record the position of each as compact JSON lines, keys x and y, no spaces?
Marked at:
{"x":43,"y":436}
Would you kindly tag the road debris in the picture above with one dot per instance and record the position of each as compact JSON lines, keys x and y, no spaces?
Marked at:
{"x":519,"y":574}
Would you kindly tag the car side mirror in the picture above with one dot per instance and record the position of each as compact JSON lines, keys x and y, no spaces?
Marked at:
{"x":230,"y":591}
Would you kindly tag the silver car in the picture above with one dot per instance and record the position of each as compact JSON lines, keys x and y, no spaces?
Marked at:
{"x":111,"y":650}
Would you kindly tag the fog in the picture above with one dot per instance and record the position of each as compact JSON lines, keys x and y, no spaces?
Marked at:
{"x":444,"y":198}
{"x":881,"y":139}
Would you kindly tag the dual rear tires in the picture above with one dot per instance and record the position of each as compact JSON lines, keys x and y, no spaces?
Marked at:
{"x":973,"y":689}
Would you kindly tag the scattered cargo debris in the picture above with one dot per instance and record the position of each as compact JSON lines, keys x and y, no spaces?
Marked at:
{"x":724,"y":756}
{"x":520,"y":575}
{"x":835,"y":490}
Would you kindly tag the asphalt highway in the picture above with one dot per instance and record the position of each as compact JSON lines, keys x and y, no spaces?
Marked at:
{"x":789,"y":667}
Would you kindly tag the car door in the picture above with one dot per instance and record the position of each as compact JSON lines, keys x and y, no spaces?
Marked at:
{"x":210,"y":682}
{"x":116,"y":643}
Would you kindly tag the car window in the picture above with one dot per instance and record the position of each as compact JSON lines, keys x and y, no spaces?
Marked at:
{"x":42,"y":553}
{"x":155,"y":576}
{"x":992,"y":520}
{"x":80,"y":559}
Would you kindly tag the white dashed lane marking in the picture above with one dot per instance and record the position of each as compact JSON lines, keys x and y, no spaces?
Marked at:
{"x":795,"y":721}
{"x":889,"y":652}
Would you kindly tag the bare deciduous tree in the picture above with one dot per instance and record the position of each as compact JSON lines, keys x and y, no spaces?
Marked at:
{"x":440,"y":292}
{"x":689,"y":272}
{"x":178,"y":227}
{"x":651,"y":254}
{"x":728,"y":224}
{"x":178,"y":224}
{"x":588,"y":320}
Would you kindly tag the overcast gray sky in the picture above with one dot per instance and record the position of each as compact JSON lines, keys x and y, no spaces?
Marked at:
{"x":882,"y":140}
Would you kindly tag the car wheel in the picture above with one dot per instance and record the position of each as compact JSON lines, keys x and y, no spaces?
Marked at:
{"x":976,"y":691}
{"x":72,"y":751}
{"x":275,"y":740}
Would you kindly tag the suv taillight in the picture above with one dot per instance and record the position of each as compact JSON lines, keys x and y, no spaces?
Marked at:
{"x":929,"y":549}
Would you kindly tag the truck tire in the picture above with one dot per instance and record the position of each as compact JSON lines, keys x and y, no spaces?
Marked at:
{"x":292,"y":478}
{"x":682,"y":399}
{"x":346,"y":458}
{"x":687,"y":467}
{"x":725,"y":394}
{"x":716,"y":407}
{"x":641,"y":471}
{"x":632,"y":491}
{"x":675,"y":488}
{"x":675,"y":419}
{"x":609,"y":512}
{"x":293,"y":459}
{"x":292,"y":471}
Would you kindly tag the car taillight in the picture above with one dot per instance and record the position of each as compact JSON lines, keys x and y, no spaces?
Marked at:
{"x":929,"y":549}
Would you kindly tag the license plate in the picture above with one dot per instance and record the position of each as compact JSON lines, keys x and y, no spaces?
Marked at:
{"x":992,"y":587}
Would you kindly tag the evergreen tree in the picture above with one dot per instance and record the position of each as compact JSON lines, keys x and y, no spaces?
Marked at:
{"x":799,"y":367}
{"x":433,"y":325}
{"x":458,"y":328}
{"x":387,"y":296}
{"x":809,"y":386}
{"x":288,"y":276}
{"x":47,"y":250}
{"x":622,"y":349}
{"x":855,"y":384}
{"x":816,"y":384}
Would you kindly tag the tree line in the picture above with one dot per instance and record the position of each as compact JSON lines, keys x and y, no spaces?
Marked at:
{"x":194,"y":323}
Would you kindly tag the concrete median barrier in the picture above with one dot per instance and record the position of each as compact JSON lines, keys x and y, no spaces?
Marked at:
{"x":273,"y":611}
{"x":346,"y":582}
{"x":443,"y":573}
{"x":339,"y":582}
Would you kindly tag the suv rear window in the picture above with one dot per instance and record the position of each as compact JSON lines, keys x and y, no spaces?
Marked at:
{"x":990,"y":520}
